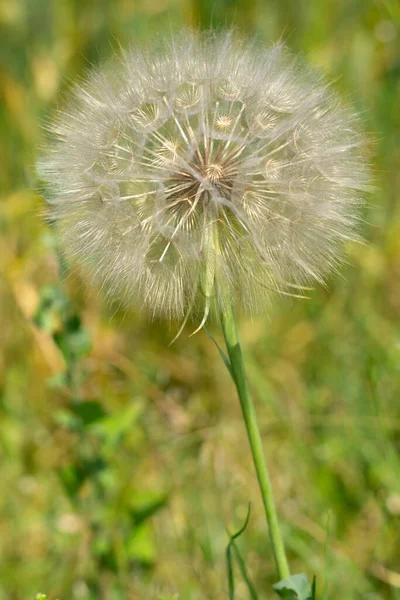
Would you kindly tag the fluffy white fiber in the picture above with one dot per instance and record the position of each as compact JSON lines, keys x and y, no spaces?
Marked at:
{"x":204,"y":167}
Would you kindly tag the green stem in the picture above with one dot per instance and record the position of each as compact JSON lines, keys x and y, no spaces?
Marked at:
{"x":240,"y":379}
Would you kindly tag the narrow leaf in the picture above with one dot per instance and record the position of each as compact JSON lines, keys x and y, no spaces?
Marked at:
{"x":231,"y":578}
{"x":327,"y":557}
{"x":245,"y":575}
{"x":314,"y":589}
{"x":230,"y":546}
{"x":221,"y":352}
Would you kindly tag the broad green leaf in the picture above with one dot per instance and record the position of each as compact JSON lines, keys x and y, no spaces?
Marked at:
{"x":295,"y":587}
{"x":89,"y":411}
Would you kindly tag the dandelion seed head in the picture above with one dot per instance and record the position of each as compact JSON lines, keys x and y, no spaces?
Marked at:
{"x":203,"y":167}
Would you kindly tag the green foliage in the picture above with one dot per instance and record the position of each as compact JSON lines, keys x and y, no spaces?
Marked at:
{"x":57,"y":317}
{"x":232,"y":547}
{"x":327,"y":560}
{"x":119,"y":528}
{"x":295,"y":587}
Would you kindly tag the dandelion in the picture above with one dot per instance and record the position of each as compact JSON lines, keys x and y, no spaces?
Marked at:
{"x":203,"y":172}
{"x":203,"y":169}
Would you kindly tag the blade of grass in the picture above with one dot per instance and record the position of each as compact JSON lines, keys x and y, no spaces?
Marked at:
{"x":314,"y":589}
{"x":327,"y":558}
{"x":221,"y":352}
{"x":232,"y":538}
{"x":242,"y":566}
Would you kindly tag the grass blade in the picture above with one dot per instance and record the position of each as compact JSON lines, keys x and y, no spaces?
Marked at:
{"x":221,"y":352}
{"x":229,"y":548}
{"x":327,"y":558}
{"x":242,"y":566}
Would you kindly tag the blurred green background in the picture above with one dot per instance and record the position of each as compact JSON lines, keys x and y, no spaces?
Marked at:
{"x":124,"y":460}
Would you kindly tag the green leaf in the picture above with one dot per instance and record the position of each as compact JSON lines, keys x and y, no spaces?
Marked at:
{"x":89,"y":411}
{"x":72,"y":478}
{"x":242,"y":566}
{"x":327,"y":558}
{"x":114,"y":428}
{"x":314,"y":589}
{"x":66,"y":419}
{"x":74,"y":475}
{"x":140,"y":545}
{"x":52,"y":305}
{"x":145,"y":505}
{"x":58,"y":381}
{"x":80,"y":342}
{"x":230,"y":546}
{"x":74,"y":340}
{"x":221,"y":352}
{"x":103,"y":549}
{"x":295,"y":587}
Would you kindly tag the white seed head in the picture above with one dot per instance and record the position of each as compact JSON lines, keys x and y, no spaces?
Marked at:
{"x":204,"y":167}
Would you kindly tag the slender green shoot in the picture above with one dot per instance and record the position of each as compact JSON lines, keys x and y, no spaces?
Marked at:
{"x":238,"y":372}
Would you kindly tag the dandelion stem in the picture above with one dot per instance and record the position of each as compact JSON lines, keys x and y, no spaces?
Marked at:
{"x":239,"y":377}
